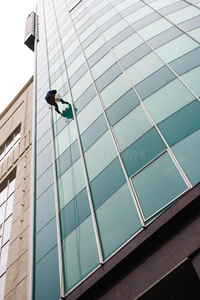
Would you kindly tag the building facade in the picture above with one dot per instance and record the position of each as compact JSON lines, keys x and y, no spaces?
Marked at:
{"x":15,"y":174}
{"x":116,"y":187}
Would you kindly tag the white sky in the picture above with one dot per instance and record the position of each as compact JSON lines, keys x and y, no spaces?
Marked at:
{"x":16,"y":59}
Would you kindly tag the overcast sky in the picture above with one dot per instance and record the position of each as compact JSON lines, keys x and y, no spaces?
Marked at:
{"x":16,"y":59}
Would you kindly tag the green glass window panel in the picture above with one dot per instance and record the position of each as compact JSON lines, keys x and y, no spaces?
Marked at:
{"x":43,"y":160}
{"x":98,"y":7}
{"x":76,"y":64}
{"x":85,"y":98}
{"x":154,"y":28}
{"x":67,"y":158}
{"x":68,"y":35}
{"x":81,"y":86}
{"x":114,"y":90}
{"x":78,"y":75}
{"x":115,"y":29}
{"x":99,"y":155}
{"x":187,"y":153}
{"x":142,"y":151}
{"x":128,"y":45}
{"x":44,"y":182}
{"x":93,"y":47}
{"x":186,"y":62}
{"x":58,"y":83}
{"x":46,"y":277}
{"x":121,"y":107}
{"x":71,"y":183}
{"x":168,"y":100}
{"x":117,"y":220}
{"x":181,"y":123}
{"x":184,"y":14}
{"x":106,"y":16}
{"x":135,"y":55}
{"x":107,"y":77}
{"x":65,"y":138}
{"x":144,"y":67}
{"x":195,"y":33}
{"x":42,"y":214}
{"x":43,"y":126}
{"x":191,"y":24}
{"x":45,"y":240}
{"x":125,"y":4}
{"x":93,"y":133}
{"x":74,"y":213}
{"x":80,"y":253}
{"x":176,"y":48}
{"x":162,"y":3}
{"x":131,"y":127}
{"x":60,"y":124}
{"x":162,"y":182}
{"x":83,"y":36}
{"x":104,"y":64}
{"x":121,"y":36}
{"x":191,"y":78}
{"x":165,"y":37}
{"x":89,"y":114}
{"x":139,"y":14}
{"x":55,"y":66}
{"x":154,"y":82}
{"x":80,"y":23}
{"x":146,"y":21}
{"x":99,"y":54}
{"x":107,"y":182}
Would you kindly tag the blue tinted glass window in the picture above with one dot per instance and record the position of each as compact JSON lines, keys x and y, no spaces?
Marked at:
{"x":107,"y":182}
{"x":136,"y":120}
{"x":117,"y":220}
{"x":85,"y":98}
{"x":44,"y":182}
{"x":44,"y":160}
{"x":187,"y":153}
{"x":108,"y":76}
{"x":45,"y":240}
{"x":93,"y":133}
{"x":154,"y":82}
{"x":181,"y":123}
{"x":121,"y":107}
{"x":135,"y":55}
{"x":80,"y":253}
{"x":44,"y":215}
{"x":162,"y":182}
{"x":186,"y":62}
{"x":164,"y":37}
{"x":67,"y":158}
{"x":46,"y":277}
{"x":143,"y":151}
{"x":74,"y":213}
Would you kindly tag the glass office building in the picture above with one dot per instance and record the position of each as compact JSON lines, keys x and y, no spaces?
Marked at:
{"x":131,"y":71}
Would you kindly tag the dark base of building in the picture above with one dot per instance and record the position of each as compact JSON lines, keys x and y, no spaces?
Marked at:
{"x":161,"y":263}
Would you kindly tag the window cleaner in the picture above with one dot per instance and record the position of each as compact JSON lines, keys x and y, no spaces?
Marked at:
{"x":52,"y":97}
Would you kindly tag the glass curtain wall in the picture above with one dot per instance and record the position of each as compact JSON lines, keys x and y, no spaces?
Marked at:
{"x":130,"y":69}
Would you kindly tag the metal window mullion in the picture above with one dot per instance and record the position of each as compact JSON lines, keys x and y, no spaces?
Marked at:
{"x":60,"y":255}
{"x":96,"y":232}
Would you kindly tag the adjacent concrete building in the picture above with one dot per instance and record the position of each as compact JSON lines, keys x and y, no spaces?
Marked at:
{"x":15,"y":174}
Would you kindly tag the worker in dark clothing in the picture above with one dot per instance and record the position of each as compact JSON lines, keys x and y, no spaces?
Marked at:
{"x":52,"y":97}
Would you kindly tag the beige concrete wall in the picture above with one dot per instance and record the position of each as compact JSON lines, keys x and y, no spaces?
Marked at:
{"x":18,"y":112}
